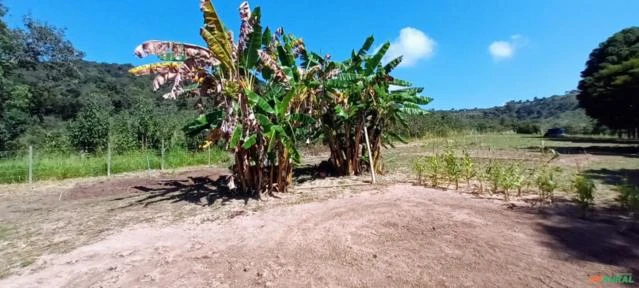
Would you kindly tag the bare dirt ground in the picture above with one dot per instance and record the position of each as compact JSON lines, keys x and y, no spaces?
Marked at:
{"x":183,"y":232}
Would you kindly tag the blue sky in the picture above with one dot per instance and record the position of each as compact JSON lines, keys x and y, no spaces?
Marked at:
{"x":465,"y":53}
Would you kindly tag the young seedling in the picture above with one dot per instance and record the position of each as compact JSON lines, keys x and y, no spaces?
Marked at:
{"x":468,"y":168}
{"x":435,"y":169}
{"x":584,"y":189}
{"x":547,"y":184}
{"x":453,"y":167}
{"x":419,"y":168}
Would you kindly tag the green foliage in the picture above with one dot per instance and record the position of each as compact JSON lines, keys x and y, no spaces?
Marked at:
{"x":629,"y":196}
{"x":505,"y":178}
{"x":546,"y":183}
{"x":453,"y":166}
{"x":44,"y":85}
{"x":468,"y":167}
{"x":482,"y":177}
{"x":431,"y":168}
{"x":419,"y":168}
{"x":89,"y":132}
{"x":495,"y":174}
{"x":436,"y":168}
{"x":57,"y":166}
{"x":584,"y":189}
{"x":526,"y":117}
{"x":513,"y":179}
{"x":610,"y":78}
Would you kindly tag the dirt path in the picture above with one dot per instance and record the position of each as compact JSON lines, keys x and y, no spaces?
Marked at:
{"x":404,"y":236}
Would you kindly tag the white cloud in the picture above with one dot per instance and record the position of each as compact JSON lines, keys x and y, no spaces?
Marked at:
{"x":413,"y":44}
{"x":505,"y":49}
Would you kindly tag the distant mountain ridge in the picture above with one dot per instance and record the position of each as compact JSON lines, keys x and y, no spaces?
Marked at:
{"x":543,"y":113}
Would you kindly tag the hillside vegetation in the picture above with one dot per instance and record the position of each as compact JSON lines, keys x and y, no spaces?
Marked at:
{"x":526,"y":117}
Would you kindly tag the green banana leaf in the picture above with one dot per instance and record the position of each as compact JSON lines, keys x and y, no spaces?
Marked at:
{"x":203,"y":122}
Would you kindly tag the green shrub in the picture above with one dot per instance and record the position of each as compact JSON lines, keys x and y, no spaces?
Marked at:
{"x":468,"y":167}
{"x":584,"y":188}
{"x":453,"y":166}
{"x":481,"y":174}
{"x":436,"y":168}
{"x":629,"y":196}
{"x":419,"y":168}
{"x":512,"y":179}
{"x":546,"y":183}
{"x":495,"y":174}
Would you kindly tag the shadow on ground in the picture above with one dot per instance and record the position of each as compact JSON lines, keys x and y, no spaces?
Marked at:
{"x":614,"y":177}
{"x":604,"y":237}
{"x":312,"y":172}
{"x":626,"y":151}
{"x":595,"y":140}
{"x":201,"y":190}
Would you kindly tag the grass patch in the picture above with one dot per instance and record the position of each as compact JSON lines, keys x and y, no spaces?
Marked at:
{"x":5,"y":231}
{"x":63,"y":166}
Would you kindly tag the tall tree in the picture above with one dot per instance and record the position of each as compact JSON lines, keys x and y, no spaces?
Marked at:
{"x":609,"y":89}
{"x":7,"y":52}
{"x":36,"y":63}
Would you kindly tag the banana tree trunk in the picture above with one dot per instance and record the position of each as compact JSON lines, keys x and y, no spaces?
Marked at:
{"x":357,"y":147}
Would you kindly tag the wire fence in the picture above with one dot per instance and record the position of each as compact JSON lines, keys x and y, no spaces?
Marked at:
{"x":32,"y":165}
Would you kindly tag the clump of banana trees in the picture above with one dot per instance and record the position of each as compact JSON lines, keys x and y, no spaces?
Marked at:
{"x":365,"y":99}
{"x":267,"y":92}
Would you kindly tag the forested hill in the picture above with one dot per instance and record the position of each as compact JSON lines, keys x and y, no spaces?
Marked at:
{"x":537,"y":114}
{"x":529,"y":116}
{"x":62,"y":94}
{"x":537,"y":109}
{"x":83,"y":104}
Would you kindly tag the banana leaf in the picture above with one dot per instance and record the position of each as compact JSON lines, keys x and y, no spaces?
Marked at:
{"x":255,"y":99}
{"x":372,"y":63}
{"x":393,"y":64}
{"x":156,"y":68}
{"x":249,"y":142}
{"x":203,"y":122}
{"x":365,"y":47}
{"x":215,"y":36}
{"x":250,"y":55}
{"x":217,"y":44}
{"x":267,"y":37}
{"x":237,"y":135}
{"x":401,"y":83}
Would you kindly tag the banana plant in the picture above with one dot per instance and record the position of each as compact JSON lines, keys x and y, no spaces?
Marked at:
{"x":250,"y":92}
{"x":362,"y":99}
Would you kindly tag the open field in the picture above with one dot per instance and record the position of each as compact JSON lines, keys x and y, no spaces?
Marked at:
{"x":183,"y":229}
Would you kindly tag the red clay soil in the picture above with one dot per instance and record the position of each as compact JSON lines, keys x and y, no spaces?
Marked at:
{"x":405,"y":236}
